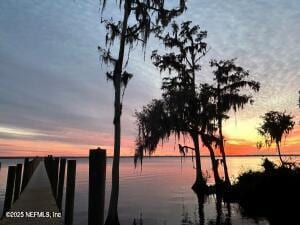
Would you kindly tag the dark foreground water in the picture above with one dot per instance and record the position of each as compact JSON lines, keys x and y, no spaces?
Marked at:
{"x":160,"y":193}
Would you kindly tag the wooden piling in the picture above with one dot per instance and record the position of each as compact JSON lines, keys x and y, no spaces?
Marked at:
{"x":48,"y":162}
{"x":36,"y":198}
{"x":29,"y":170}
{"x":70,"y":191}
{"x":18,"y":181}
{"x":97,"y":175}
{"x":9,"y":189}
{"x":61,"y":180}
{"x":25,"y":174}
{"x":55,"y":176}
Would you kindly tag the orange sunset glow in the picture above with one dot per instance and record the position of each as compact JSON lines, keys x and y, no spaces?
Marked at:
{"x":55,"y":98}
{"x":143,"y":112}
{"x":238,"y":142}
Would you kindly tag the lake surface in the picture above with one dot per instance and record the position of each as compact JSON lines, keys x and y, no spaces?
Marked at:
{"x":160,"y":193}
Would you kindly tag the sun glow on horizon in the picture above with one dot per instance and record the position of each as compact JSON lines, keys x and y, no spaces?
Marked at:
{"x":58,"y":101}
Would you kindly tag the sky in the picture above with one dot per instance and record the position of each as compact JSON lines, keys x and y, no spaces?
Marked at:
{"x":55,"y":99}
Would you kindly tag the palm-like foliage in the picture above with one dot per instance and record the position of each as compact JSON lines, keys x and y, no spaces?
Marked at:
{"x":275,"y":125}
{"x":230,"y":80}
{"x":140,"y":19}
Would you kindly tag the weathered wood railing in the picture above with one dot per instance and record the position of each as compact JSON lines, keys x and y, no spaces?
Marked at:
{"x":16,"y":181}
{"x":55,"y":168}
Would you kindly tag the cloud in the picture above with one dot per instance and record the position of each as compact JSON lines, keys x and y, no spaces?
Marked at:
{"x":52,"y":82}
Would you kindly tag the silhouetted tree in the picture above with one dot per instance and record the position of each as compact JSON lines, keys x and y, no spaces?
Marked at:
{"x":158,"y":120}
{"x":230,"y":81}
{"x":140,"y":19}
{"x":275,"y":125}
{"x":153,"y":125}
{"x":179,"y":87}
{"x":208,"y":127}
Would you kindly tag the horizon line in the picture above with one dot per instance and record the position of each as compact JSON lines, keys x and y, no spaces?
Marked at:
{"x":153,"y":156}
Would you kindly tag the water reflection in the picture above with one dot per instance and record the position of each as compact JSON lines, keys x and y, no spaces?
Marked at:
{"x":219,"y":217}
{"x":222,"y":219}
{"x":198,"y":216}
{"x":161,"y":192}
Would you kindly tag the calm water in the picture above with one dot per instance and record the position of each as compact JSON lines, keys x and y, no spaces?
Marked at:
{"x":160,"y":193}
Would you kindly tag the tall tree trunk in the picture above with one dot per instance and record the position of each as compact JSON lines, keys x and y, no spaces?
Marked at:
{"x":112,"y":217}
{"x":222,"y":150}
{"x":200,"y":184}
{"x":213,"y":162}
{"x":279,"y":153}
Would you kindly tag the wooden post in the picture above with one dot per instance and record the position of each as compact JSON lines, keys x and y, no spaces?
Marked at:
{"x":51,"y":165}
{"x":97,"y":175}
{"x":37,"y":162}
{"x":30,"y":170}
{"x":60,"y":189}
{"x":48,"y":168}
{"x":9,"y":189}
{"x":18,"y":181}
{"x":55,"y":176}
{"x":70,"y":190}
{"x":48,"y":161}
{"x":25,"y":174}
